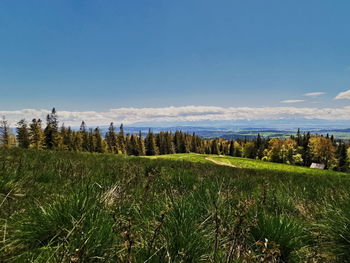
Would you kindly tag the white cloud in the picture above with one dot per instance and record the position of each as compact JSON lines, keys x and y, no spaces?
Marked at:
{"x":292,"y":101}
{"x":314,"y":94}
{"x":176,"y":114}
{"x":343,"y":95}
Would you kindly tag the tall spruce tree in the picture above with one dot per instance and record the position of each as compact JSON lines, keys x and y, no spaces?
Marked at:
{"x":98,"y":146}
{"x":4,"y":133}
{"x":51,"y":131}
{"x":232,"y":148}
{"x":342,"y":157}
{"x":85,"y":141}
{"x":111,"y":139}
{"x":151,"y":147}
{"x":215,"y":147}
{"x":22,"y":136}
{"x":141,"y":145}
{"x":194,"y":143}
{"x":121,"y":139}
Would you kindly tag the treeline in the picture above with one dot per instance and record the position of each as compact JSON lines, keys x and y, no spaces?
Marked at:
{"x":301,"y":149}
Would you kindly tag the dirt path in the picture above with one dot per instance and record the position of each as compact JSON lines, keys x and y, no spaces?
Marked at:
{"x":221,"y":163}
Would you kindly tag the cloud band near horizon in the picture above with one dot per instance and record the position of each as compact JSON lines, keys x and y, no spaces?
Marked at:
{"x":131,"y":116}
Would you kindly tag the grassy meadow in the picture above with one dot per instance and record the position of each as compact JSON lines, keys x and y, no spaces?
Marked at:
{"x":83,"y":207}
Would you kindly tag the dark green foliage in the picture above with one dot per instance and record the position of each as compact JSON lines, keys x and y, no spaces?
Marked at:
{"x":4,"y":133}
{"x":215,"y":147}
{"x":232,"y":148}
{"x":150,"y":143}
{"x":342,"y":157}
{"x":22,"y":137}
{"x":121,"y":140}
{"x":111,"y":139}
{"x":51,"y":131}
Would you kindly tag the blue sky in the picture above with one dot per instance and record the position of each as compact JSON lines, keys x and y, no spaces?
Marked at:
{"x":102,"y":55}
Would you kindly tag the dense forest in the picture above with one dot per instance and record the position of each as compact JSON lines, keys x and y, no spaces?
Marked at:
{"x":300,"y":149}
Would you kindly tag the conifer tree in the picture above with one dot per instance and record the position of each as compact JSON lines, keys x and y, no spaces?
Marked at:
{"x":141,"y":145}
{"x":232,"y":148}
{"x":298,"y":139}
{"x":111,"y":139}
{"x":84,"y":137}
{"x":194,"y":143}
{"x":134,"y":145}
{"x":4,"y":133}
{"x":342,"y":157}
{"x":98,"y":144}
{"x":177,"y":141}
{"x":36,"y":134}
{"x":169,"y":143}
{"x":91,"y":141}
{"x":121,"y":139}
{"x":215,"y":147}
{"x":151,"y":147}
{"x":184,"y":144}
{"x":22,"y":136}
{"x":51,"y":131}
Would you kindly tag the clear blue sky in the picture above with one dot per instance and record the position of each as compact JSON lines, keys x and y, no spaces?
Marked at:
{"x":97,"y":55}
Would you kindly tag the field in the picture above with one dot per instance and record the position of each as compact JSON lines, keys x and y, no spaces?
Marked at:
{"x":82,"y":207}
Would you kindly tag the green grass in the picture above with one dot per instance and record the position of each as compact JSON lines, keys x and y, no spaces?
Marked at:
{"x":246,"y":163}
{"x":81,"y":207}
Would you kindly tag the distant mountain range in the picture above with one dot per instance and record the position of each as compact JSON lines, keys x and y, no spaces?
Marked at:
{"x":244,"y":128}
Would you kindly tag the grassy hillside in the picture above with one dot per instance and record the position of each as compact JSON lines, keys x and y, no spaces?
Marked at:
{"x":76,"y":207}
{"x":249,"y":164}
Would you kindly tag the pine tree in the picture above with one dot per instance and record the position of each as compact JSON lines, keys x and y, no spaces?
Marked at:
{"x":51,"y":131}
{"x":169,"y":143}
{"x":111,"y":139}
{"x":4,"y":133}
{"x":215,"y":147}
{"x":151,"y":147}
{"x":232,"y":148}
{"x":177,"y":141}
{"x":342,"y":157}
{"x":22,"y":136}
{"x":36,"y":134}
{"x":84,"y":137}
{"x":184,"y":144}
{"x":298,"y":139}
{"x":98,"y":143}
{"x":194,"y":143}
{"x":141,"y":145}
{"x":134,"y":145}
{"x":121,"y":139}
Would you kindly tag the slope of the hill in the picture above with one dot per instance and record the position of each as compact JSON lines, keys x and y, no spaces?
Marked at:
{"x":80,"y":207}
